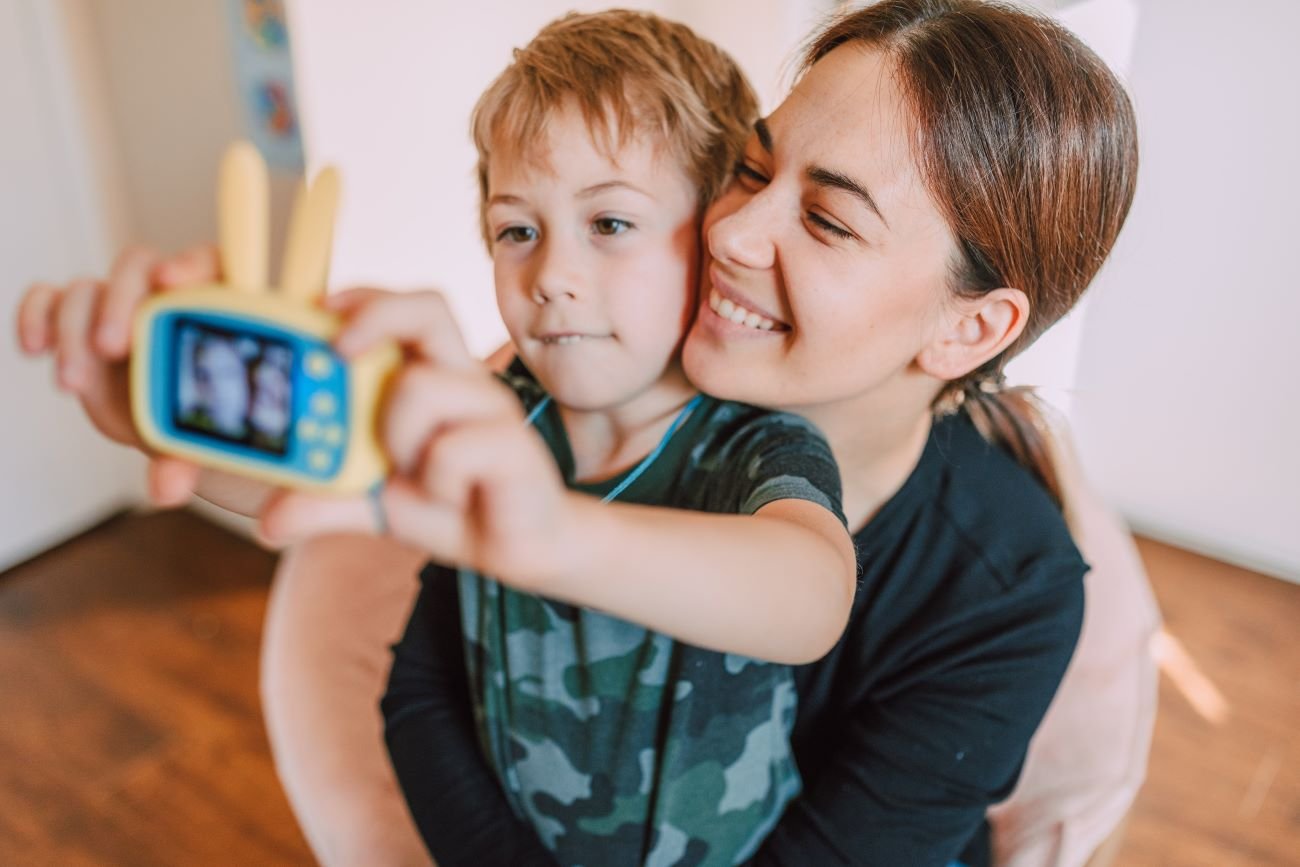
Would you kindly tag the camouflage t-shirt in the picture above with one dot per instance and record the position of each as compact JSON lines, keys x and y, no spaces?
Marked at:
{"x":620,"y":745}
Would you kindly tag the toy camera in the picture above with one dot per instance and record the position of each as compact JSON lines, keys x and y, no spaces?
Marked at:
{"x":241,"y":377}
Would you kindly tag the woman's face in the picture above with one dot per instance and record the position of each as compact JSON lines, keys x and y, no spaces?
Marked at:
{"x":826,"y":261}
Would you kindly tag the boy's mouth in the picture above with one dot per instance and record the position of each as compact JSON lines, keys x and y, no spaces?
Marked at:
{"x":733,"y":312}
{"x":567,"y":338}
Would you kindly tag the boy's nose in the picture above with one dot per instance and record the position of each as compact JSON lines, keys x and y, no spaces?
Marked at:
{"x":545,"y":294}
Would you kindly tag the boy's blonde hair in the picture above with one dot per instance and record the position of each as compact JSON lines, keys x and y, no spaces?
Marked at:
{"x":630,"y":72}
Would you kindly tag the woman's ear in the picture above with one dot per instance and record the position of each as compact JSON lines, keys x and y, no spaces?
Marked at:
{"x":973,"y":331}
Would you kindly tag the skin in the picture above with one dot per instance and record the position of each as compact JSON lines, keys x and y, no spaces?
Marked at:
{"x":870,"y":328}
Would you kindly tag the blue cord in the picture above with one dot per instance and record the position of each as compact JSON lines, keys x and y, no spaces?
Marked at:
{"x":649,"y":459}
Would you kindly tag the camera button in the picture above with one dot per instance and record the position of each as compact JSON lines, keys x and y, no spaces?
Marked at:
{"x":319,"y":365}
{"x":319,"y":459}
{"x":308,"y":429}
{"x":332,"y":434}
{"x":323,"y":403}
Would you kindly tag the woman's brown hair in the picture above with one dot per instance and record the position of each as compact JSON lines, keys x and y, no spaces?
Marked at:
{"x":1028,"y":144}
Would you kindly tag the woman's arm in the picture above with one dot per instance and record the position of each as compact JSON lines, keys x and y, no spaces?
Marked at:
{"x":454,"y":797}
{"x":914,"y":767}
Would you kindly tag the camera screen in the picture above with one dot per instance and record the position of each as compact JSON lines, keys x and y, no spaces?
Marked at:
{"x":234,"y":387}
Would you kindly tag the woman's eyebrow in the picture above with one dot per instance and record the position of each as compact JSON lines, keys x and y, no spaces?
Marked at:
{"x":764,"y":134}
{"x":840,"y":181}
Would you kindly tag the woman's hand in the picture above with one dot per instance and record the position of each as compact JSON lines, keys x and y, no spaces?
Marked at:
{"x":87,"y":327}
{"x":470,"y":484}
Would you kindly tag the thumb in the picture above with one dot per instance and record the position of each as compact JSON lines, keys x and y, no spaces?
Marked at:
{"x":290,"y":516}
{"x":171,"y":481}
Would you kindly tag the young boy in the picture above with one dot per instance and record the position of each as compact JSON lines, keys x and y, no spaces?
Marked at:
{"x":599,"y":147}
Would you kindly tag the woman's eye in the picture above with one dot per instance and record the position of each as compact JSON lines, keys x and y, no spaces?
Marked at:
{"x":827,"y":226}
{"x":749,"y":176}
{"x":610,"y":226}
{"x":517,"y":234}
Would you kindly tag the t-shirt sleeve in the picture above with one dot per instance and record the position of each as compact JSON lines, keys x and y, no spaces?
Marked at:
{"x":453,"y":796}
{"x":775,"y":456}
{"x":917,"y":765}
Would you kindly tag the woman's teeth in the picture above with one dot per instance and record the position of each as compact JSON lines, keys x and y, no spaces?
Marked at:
{"x":728,"y":309}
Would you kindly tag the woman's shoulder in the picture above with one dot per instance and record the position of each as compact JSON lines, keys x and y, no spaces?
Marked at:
{"x":981,"y":520}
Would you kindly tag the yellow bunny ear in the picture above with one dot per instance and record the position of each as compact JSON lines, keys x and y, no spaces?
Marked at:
{"x":242,"y":218}
{"x":307,"y":248}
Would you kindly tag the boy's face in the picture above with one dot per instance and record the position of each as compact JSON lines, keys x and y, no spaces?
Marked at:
{"x":595,"y":263}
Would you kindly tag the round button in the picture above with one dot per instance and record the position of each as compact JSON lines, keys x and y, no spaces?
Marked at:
{"x":318,"y":364}
{"x":319,"y":459}
{"x":332,"y":434}
{"x":308,"y":429}
{"x":323,"y":403}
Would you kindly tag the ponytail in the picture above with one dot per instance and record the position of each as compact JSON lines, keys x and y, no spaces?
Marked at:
{"x":1010,"y":418}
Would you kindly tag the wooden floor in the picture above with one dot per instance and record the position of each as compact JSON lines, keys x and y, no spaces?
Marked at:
{"x":130,"y":731}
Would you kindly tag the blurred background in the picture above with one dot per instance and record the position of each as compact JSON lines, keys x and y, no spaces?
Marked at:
{"x":1178,"y":375}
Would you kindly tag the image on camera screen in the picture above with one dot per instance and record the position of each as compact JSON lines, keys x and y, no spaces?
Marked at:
{"x":234,"y":387}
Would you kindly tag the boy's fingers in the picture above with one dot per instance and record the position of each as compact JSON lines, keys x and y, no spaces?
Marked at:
{"x":199,"y":264}
{"x":36,"y":313}
{"x":421,"y":321}
{"x":75,"y":314}
{"x":425,"y":398}
{"x":172,"y":481}
{"x":128,"y":284}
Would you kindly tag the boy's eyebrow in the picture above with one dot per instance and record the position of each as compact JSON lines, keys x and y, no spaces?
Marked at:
{"x":504,"y":199}
{"x":597,"y":189}
{"x":840,"y":181}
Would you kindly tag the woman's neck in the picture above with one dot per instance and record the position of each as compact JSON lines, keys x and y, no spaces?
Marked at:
{"x":878,"y":438}
{"x":607,"y":441}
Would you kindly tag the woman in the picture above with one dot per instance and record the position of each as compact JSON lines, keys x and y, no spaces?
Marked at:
{"x":940,"y":186}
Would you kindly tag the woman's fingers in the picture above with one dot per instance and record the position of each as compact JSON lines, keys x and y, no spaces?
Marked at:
{"x":198,"y":264}
{"x":420,"y":321}
{"x":36,"y":318}
{"x":172,"y":481}
{"x":129,"y":283}
{"x":75,"y":356}
{"x":425,"y":398}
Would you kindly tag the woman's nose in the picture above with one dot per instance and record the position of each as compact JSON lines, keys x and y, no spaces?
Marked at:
{"x":744,"y":236}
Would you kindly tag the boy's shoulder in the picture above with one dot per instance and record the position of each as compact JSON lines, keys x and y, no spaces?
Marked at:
{"x":734,"y":425}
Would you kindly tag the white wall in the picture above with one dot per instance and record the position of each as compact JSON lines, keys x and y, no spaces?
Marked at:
{"x":170,"y":86}
{"x":387,"y":97}
{"x":1186,"y":405}
{"x":61,"y":213}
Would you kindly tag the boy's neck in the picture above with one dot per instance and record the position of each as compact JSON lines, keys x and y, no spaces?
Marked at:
{"x":607,"y":441}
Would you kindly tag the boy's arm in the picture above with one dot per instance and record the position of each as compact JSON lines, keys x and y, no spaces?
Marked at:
{"x":775,"y":585}
{"x":452,"y":794}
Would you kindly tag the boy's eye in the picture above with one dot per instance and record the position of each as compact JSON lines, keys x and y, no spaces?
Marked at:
{"x":610,"y":226}
{"x":517,"y":234}
{"x":749,"y":176}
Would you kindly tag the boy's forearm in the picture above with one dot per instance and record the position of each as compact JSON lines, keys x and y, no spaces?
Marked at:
{"x":776,"y":585}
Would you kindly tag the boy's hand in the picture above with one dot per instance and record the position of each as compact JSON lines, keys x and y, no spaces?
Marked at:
{"x":471,"y":484}
{"x":87,"y":325}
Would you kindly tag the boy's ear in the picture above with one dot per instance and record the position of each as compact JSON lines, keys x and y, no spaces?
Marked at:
{"x":974,"y":330}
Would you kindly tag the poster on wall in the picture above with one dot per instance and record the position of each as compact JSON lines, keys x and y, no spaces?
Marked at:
{"x":264,"y":76}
